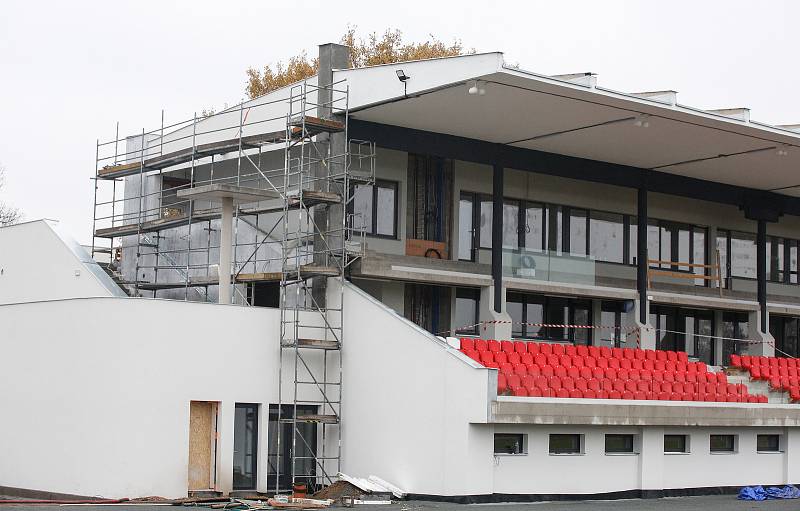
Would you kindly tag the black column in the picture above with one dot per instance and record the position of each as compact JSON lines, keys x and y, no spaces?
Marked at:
{"x":497,"y":236}
{"x":641,"y":252}
{"x":761,"y":271}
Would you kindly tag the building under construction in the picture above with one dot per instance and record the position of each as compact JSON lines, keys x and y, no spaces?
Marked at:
{"x":475,"y":282}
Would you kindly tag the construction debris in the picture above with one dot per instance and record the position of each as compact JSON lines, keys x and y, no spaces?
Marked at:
{"x":338,"y":490}
{"x":294,"y":503}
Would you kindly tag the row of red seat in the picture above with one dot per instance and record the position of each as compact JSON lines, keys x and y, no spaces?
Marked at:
{"x":498,"y":358}
{"x":747,"y":361}
{"x":611,"y":373}
{"x":511,"y":381}
{"x":548,"y":348}
{"x":783,"y":374}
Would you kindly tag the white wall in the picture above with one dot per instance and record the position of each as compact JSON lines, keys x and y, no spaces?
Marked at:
{"x":408,"y":404}
{"x":38,"y":262}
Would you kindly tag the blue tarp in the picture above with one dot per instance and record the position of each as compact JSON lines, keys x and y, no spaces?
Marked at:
{"x":773,"y":492}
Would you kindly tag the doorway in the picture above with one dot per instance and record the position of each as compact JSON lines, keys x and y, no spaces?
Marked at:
{"x":428,"y":306}
{"x":245,"y":446}
{"x":279,"y":465}
{"x":430,"y":196}
{"x":203,"y":416}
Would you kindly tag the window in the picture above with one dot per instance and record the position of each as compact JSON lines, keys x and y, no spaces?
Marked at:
{"x":785,"y":330}
{"x":735,"y":325}
{"x":676,"y":444}
{"x":466,"y":316}
{"x":485,"y":224}
{"x":768,"y":443}
{"x":566,"y":444}
{"x":509,"y":443}
{"x":374,"y":209}
{"x":578,"y":232}
{"x":610,"y":322}
{"x":466,"y":227}
{"x":723,"y":443}
{"x":245,"y":446}
{"x":619,"y":444}
{"x":511,"y":225}
{"x":742,"y":255}
{"x":535,"y":227}
{"x":606,"y":237}
{"x":528,"y":310}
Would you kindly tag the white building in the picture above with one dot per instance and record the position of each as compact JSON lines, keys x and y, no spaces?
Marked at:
{"x":453,"y":195}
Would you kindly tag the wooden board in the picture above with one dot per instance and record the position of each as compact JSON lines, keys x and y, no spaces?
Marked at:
{"x":201,"y":444}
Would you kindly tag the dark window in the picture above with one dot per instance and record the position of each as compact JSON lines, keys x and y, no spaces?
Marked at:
{"x":279,"y":460}
{"x":509,"y":443}
{"x":723,"y":443}
{"x":565,"y":444}
{"x":374,"y":208}
{"x":245,"y":446}
{"x":785,"y":331}
{"x":675,"y":443}
{"x":529,"y":311}
{"x":619,"y":444}
{"x":610,"y":322}
{"x":768,"y":443}
{"x":466,"y":316}
{"x":734,"y":326}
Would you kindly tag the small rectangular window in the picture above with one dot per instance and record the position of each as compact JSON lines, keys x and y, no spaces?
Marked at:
{"x":566,"y":444}
{"x":619,"y":444}
{"x":509,"y":443}
{"x":768,"y":443}
{"x":374,"y":208}
{"x":723,"y":443}
{"x":466,"y":313}
{"x":675,"y":443}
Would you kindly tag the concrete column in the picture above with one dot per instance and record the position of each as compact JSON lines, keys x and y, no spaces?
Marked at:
{"x":497,"y":237}
{"x":487,"y":312}
{"x":225,"y":250}
{"x":651,"y":462}
{"x":757,"y":324}
{"x":718,"y":343}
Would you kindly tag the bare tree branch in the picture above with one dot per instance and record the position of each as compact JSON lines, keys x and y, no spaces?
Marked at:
{"x":8,"y":215}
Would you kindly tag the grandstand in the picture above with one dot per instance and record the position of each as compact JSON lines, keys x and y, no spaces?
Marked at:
{"x":472,"y":281}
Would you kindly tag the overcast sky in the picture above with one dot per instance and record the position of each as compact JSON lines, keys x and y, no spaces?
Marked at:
{"x":70,"y":70}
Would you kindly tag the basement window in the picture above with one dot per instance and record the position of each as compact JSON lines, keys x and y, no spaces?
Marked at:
{"x":620,"y":444}
{"x":723,"y":444}
{"x":566,"y":444}
{"x":676,"y":444}
{"x":510,"y":443}
{"x":768,"y":443}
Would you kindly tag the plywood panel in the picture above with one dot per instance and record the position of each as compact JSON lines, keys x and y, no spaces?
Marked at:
{"x":201,"y":442}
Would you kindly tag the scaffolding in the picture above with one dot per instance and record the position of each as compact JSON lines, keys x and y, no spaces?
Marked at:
{"x":287,"y":162}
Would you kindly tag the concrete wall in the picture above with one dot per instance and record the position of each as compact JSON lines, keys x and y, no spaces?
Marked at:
{"x":37,"y":262}
{"x":408,"y":403}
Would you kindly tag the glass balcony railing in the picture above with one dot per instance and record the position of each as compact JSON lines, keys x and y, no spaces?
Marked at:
{"x":549,"y":266}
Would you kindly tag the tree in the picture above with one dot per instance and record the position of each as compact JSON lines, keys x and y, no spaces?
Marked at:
{"x":8,"y":215}
{"x":373,"y":51}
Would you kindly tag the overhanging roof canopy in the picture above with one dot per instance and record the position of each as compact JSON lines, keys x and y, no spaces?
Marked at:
{"x":572,"y":116}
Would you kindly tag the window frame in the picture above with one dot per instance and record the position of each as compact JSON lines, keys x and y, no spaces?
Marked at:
{"x":386,"y":184}
{"x":778,"y":449}
{"x":627,"y":436}
{"x":523,"y":444}
{"x":581,"y":450}
{"x":734,"y":444}
{"x":476,"y":295}
{"x":686,"y":444}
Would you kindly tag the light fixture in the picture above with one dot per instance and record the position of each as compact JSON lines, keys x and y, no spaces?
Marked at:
{"x":783,"y":150}
{"x":643,"y":121}
{"x":404,"y":79}
{"x":476,"y":88}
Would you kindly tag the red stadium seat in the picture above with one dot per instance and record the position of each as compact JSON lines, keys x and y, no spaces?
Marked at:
{"x":594,"y":351}
{"x":565,"y":360}
{"x":627,"y":353}
{"x":520,"y":347}
{"x":548,"y":371}
{"x":540,"y":359}
{"x":670,"y":366}
{"x":581,"y":384}
{"x":755,"y":372}
{"x":593,"y":384}
{"x":513,"y":381}
{"x":567,"y":383}
{"x":520,"y":392}
{"x":639,"y":355}
{"x":736,"y":360}
{"x":634,"y":374}
{"x":467,"y":344}
{"x":683,"y":357}
{"x":541,"y":382}
{"x":534,"y":348}
{"x":506,"y":368}
{"x":648,"y":364}
{"x":570,"y":350}
{"x":660,"y":365}
{"x":605,"y":352}
{"x":533,"y":369}
{"x":640,"y":395}
{"x":521,"y":370}
{"x":622,"y":374}
{"x":481,"y":345}
{"x":562,"y":393}
{"x":619,"y":385}
{"x":617,"y":353}
{"x":573,"y":372}
{"x":658,"y":375}
{"x":502,"y":384}
{"x":611,"y":373}
{"x":525,"y":358}
{"x":474,"y":355}
{"x":607,"y":384}
{"x":672,"y":356}
{"x":661,"y":356}
{"x":545,"y":348}
{"x":666,"y":387}
{"x":627,"y":395}
{"x":645,"y":374}
{"x":487,"y":357}
{"x":585,"y":373}
{"x":501,"y":358}
{"x":582,"y":350}
{"x":614,"y":394}
{"x":602,"y":394}
{"x":558,"y":349}
{"x":575,"y":393}
{"x":589,"y":394}
{"x":722,"y":377}
{"x":711,"y":378}
{"x":625,"y":363}
{"x":528,"y":382}
{"x":492,"y":365}
{"x":534,"y":392}
{"x":701,"y":367}
{"x":598,"y":372}
{"x":494,"y":346}
{"x":560,"y":371}
{"x":514,"y":358}
{"x":576,"y":361}
{"x":552,"y":360}
{"x":630,"y":386}
{"x":602,"y":362}
{"x":507,"y":346}
{"x":643,"y":386}
{"x":554,"y":382}
{"x":590,"y":361}
{"x":668,"y":376}
{"x":677,"y":387}
{"x":614,"y":362}
{"x":650,"y":355}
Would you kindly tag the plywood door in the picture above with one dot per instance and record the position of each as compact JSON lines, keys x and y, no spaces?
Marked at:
{"x":202,"y":437}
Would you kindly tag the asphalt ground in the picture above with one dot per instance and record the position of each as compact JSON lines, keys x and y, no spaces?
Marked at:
{"x":706,"y":503}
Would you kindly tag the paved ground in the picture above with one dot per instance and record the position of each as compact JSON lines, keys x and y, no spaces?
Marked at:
{"x":711,"y":503}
